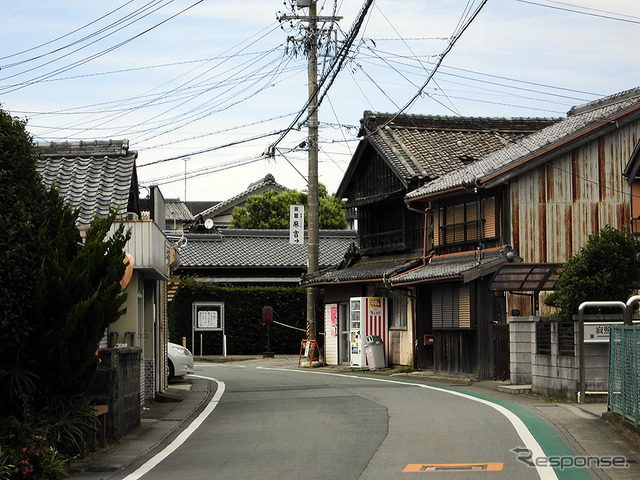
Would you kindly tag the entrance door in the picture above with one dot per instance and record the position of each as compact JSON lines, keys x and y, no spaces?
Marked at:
{"x":344,"y":345}
{"x":501,"y":351}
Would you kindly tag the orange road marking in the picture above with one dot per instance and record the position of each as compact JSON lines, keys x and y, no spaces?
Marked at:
{"x":453,"y":467}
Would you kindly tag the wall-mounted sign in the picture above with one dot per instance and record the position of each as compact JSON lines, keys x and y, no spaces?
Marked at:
{"x":208,"y":316}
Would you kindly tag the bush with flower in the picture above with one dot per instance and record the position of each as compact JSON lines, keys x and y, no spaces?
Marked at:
{"x":26,"y":455}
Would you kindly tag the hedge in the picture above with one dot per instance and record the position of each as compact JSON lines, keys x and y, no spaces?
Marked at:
{"x":246,"y":334}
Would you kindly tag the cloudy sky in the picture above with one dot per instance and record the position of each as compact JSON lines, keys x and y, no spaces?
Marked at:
{"x":201,"y":88}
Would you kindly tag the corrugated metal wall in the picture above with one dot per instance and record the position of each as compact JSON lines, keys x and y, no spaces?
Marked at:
{"x":557,"y":206}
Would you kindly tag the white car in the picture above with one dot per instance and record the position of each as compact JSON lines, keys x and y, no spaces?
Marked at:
{"x":180,"y":360}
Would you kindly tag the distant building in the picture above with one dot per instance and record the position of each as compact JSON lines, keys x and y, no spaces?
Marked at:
{"x":220,"y":214}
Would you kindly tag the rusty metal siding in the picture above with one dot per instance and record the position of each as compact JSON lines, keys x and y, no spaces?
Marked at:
{"x":558,"y":205}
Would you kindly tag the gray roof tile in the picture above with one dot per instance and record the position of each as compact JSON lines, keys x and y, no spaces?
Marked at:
{"x":461,"y":266}
{"x":367,"y":269}
{"x":91,"y":176}
{"x":581,"y":120}
{"x":177,"y":210}
{"x":260,"y":248}
{"x":427,"y":147}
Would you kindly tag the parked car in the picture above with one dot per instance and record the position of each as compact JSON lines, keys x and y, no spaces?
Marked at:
{"x":180,"y":360}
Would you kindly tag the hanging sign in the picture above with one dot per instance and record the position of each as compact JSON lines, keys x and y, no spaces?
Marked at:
{"x":296,"y":225}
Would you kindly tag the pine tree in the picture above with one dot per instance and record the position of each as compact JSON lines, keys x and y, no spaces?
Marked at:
{"x":58,"y":294}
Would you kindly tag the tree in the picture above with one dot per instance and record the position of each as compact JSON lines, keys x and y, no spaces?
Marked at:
{"x":23,"y":198}
{"x":58,"y":294}
{"x":606,"y":268}
{"x":270,"y":210}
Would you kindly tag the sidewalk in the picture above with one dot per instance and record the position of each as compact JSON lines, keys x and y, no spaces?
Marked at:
{"x":581,"y":426}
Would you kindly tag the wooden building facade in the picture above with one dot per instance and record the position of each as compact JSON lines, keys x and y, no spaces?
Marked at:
{"x":539,"y":199}
{"x":396,"y":155}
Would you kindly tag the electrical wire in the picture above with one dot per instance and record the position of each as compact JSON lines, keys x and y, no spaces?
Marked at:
{"x":12,"y":88}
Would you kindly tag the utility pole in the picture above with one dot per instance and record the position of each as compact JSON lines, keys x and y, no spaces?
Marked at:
{"x":313,"y":207}
{"x":313,"y":215}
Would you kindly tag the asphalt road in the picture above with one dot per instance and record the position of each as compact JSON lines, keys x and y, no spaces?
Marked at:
{"x":271,"y":423}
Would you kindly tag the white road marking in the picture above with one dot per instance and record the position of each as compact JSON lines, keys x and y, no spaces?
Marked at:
{"x":544,"y":472}
{"x":180,"y":439}
{"x":219,"y":365}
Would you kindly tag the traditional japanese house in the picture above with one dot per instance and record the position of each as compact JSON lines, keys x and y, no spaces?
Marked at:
{"x":396,"y":155}
{"x":536,"y":200}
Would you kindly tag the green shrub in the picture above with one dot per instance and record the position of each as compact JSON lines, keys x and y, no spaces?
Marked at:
{"x":69,"y":423}
{"x":607,"y":267}
{"x":26,"y":453}
{"x":246,"y":334}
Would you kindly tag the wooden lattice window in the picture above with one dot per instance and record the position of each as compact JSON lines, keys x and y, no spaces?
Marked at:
{"x":463,"y":223}
{"x":452,"y":307}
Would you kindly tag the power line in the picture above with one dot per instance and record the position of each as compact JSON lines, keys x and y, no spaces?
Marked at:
{"x":211,"y":149}
{"x":608,"y":16}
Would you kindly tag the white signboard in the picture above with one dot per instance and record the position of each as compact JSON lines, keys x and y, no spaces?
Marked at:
{"x":208,"y":319}
{"x":296,"y":225}
{"x":598,"y":332}
{"x":208,"y":316}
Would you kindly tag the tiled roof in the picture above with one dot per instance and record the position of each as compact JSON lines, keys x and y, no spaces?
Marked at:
{"x":260,"y":248}
{"x":92,"y":176}
{"x":177,"y":210}
{"x":461,"y":266}
{"x":367,"y":269}
{"x":427,"y":147}
{"x":262,"y":185}
{"x":581,"y":120}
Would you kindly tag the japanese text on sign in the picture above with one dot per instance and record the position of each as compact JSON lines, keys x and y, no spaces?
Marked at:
{"x":208,"y":319}
{"x":208,"y":316}
{"x":296,"y":225}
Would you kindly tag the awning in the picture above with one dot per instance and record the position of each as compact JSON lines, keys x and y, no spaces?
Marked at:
{"x":526,"y":277}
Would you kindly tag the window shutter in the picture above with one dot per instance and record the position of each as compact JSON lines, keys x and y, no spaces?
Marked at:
{"x":635,"y":206}
{"x":451,"y":307}
{"x":464,"y":301}
{"x":489,"y":213}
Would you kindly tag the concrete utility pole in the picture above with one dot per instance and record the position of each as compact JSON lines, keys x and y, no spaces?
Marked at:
{"x":313,"y":207}
{"x":313,"y":216}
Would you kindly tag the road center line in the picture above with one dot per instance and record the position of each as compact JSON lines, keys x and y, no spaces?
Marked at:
{"x":545,"y":472}
{"x":186,"y":433}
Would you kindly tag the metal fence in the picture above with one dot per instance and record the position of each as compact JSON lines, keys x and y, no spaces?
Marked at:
{"x":624,"y":381}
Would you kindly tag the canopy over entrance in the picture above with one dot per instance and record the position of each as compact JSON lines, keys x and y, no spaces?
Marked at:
{"x":526,"y":277}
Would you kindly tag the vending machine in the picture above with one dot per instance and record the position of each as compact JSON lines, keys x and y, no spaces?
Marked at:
{"x":368,"y":316}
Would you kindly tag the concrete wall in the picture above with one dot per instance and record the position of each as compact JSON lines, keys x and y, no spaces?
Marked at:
{"x":555,"y":375}
{"x":522,"y":339}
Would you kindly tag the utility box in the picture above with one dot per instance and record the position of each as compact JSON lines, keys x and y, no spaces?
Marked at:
{"x":374,"y":350}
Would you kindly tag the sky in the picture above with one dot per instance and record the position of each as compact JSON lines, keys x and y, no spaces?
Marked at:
{"x":202,"y":88}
